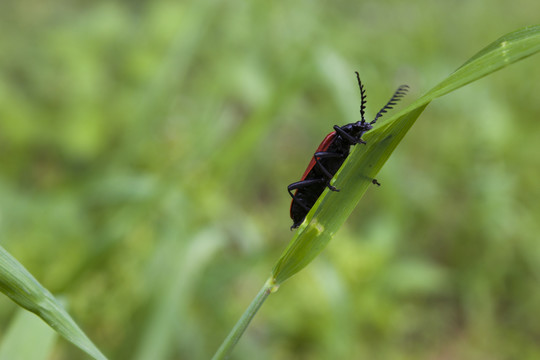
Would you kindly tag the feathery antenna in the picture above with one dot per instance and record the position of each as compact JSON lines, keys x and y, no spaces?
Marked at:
{"x":400,"y":92}
{"x":363,"y":97}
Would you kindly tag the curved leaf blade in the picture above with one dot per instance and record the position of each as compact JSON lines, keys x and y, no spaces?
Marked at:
{"x":17,"y":283}
{"x":356,"y":174}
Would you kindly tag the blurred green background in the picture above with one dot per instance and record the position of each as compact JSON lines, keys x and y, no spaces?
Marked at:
{"x":146,"y":148}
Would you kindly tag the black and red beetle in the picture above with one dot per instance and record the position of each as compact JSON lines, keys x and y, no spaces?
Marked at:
{"x":329,"y":157}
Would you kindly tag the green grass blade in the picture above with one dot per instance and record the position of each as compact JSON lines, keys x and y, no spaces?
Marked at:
{"x":504,"y":51}
{"x":355,"y":176}
{"x":332,"y":209}
{"x":17,"y":283}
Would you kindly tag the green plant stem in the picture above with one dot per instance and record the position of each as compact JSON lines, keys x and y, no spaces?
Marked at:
{"x":241,"y":325}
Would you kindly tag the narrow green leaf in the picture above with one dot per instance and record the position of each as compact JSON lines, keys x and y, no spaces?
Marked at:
{"x":17,"y":283}
{"x":330,"y":212}
{"x":356,"y":174}
{"x":502,"y":52}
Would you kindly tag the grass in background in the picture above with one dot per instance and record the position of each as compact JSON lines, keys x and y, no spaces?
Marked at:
{"x":146,"y":151}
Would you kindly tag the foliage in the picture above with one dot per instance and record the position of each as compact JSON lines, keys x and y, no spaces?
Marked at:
{"x":146,"y":149}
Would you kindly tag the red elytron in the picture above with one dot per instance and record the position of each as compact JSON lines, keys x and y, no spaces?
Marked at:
{"x":329,"y":157}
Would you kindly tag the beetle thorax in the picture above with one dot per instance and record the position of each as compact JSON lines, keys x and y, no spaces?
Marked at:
{"x":358,"y":128}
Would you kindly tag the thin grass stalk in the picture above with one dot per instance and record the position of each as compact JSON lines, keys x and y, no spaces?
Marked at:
{"x":241,"y":325}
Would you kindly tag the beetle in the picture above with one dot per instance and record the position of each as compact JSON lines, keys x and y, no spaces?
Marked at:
{"x":330,"y":155}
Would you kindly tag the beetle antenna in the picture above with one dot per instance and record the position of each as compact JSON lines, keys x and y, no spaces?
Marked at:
{"x":400,"y":92}
{"x":363,"y":97}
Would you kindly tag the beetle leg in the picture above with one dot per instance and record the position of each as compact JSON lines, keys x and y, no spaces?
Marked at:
{"x":303,"y":184}
{"x":300,"y":185}
{"x":348,"y":137}
{"x":301,"y":203}
{"x":326,"y":155}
